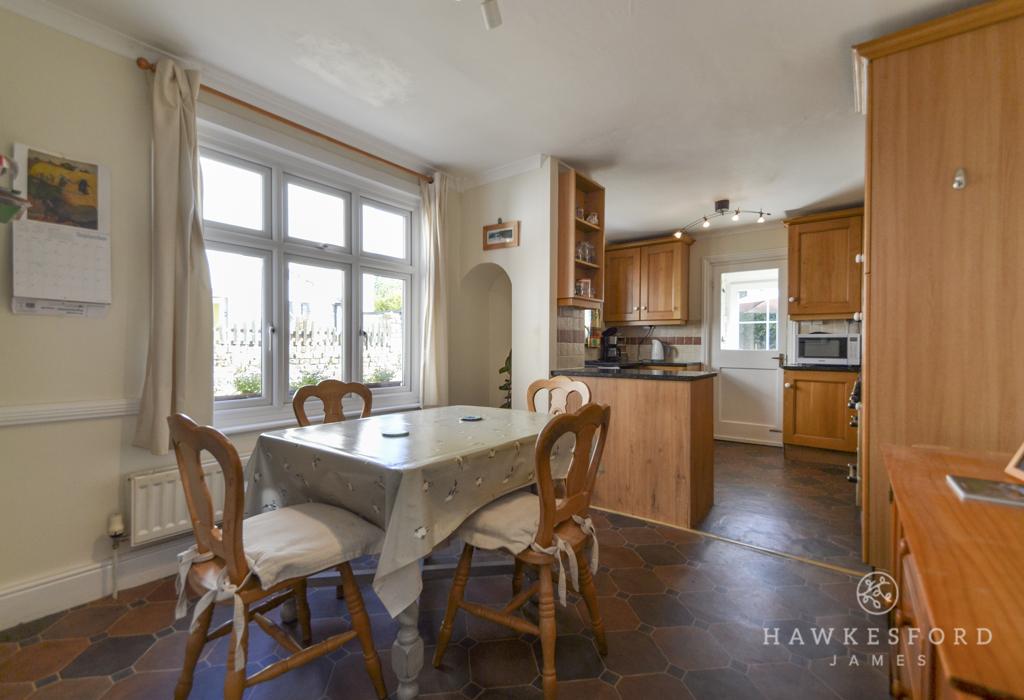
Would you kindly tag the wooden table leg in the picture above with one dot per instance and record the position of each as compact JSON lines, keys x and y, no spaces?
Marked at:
{"x":407,"y":653}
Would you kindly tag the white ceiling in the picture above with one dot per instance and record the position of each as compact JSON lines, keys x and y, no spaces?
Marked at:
{"x":668,"y":103}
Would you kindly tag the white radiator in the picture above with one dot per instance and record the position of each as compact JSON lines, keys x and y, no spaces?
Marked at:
{"x":157,"y":507}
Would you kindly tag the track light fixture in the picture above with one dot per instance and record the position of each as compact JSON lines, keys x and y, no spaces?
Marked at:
{"x":721,"y":209}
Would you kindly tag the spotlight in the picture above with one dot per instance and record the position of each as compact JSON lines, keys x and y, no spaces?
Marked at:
{"x":736,"y":216}
{"x":678,"y":234}
{"x":706,"y":224}
{"x":760,"y":218}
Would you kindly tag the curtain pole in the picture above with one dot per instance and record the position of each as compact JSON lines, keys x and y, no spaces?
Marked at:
{"x":145,"y":64}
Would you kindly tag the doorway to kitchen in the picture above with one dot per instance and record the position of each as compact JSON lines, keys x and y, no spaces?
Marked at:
{"x":747,"y":339}
{"x":763,"y":498}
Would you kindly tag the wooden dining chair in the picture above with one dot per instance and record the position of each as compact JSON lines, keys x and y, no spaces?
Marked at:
{"x":260,"y":563}
{"x":542,"y":532}
{"x":330,"y":392}
{"x":559,"y":389}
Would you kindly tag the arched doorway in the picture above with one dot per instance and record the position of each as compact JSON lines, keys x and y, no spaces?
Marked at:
{"x":481,"y":336}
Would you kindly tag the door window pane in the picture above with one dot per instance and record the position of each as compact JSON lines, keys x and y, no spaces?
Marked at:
{"x":383,"y":330}
{"x":232,"y":195}
{"x":316,"y":324}
{"x":384,"y":231}
{"x":315,"y":215}
{"x":237,"y":281}
{"x":750,"y":310}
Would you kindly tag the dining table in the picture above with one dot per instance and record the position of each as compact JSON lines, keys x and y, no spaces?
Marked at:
{"x":417,"y":475}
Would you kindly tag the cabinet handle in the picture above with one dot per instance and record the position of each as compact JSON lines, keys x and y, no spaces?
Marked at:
{"x":858,"y":316}
{"x":636,"y":308}
{"x":787,"y":385}
{"x":858,"y":258}
{"x":644,"y":308}
{"x":959,"y":179}
{"x":792,"y":300}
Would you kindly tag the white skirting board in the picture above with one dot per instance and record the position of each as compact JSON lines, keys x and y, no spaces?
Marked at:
{"x":30,"y":600}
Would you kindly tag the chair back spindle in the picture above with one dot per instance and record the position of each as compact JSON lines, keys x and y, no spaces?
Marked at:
{"x":330,"y":392}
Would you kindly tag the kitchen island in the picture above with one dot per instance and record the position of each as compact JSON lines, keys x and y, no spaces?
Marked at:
{"x":659,"y":458}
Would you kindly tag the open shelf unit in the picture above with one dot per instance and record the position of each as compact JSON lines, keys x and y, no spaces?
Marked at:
{"x":577,"y":191}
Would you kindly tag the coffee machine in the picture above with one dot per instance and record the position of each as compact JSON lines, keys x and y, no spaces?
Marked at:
{"x":610,"y":351}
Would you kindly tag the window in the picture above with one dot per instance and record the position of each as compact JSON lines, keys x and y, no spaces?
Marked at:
{"x":385,"y":230}
{"x":750,"y":310}
{"x":306,"y":287}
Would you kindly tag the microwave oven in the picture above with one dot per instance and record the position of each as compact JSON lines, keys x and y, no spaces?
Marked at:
{"x":828,"y":349}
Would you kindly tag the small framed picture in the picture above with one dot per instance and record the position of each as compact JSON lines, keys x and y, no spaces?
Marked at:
{"x":501,"y":235}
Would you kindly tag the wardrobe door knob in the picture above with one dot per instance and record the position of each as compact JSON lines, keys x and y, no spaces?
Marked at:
{"x":787,"y":385}
{"x":792,"y":300}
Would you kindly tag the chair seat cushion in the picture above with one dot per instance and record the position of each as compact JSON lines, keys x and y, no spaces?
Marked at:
{"x":301,"y":540}
{"x":508,"y":523}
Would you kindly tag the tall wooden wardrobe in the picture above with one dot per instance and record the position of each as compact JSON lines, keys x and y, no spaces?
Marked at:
{"x":944,"y":243}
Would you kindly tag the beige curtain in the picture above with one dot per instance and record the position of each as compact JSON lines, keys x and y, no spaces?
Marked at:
{"x":179,"y":368}
{"x":434,"y":358}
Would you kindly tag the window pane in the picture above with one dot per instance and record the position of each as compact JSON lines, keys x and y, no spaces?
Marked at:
{"x":749,"y":313}
{"x":383,"y":330}
{"x":384,"y":231}
{"x":315,"y":216}
{"x":316,"y":324}
{"x":231,"y":194}
{"x":237,"y":324}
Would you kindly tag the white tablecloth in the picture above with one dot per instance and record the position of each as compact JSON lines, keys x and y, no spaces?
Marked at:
{"x":418,"y":488}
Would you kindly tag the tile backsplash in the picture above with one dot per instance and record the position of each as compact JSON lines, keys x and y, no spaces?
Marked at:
{"x":571,"y":338}
{"x":682,"y":343}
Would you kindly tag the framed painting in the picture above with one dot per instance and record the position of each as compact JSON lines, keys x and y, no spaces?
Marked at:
{"x":501,"y":235}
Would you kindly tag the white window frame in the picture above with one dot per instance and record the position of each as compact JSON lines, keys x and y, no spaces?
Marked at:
{"x":284,"y":165}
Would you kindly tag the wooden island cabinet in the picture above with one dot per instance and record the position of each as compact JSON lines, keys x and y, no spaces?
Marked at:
{"x":659,"y":457}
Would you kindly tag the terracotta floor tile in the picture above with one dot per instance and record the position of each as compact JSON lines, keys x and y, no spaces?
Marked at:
{"x":29,"y":629}
{"x":576,"y":657}
{"x":633,"y":652}
{"x":150,"y":684}
{"x":642,"y":535}
{"x":15,"y":691}
{"x":145,"y":619}
{"x":77,"y":688}
{"x":655,"y":685}
{"x":637,"y":580}
{"x":587,"y":690}
{"x":721,"y":683}
{"x":166,"y":654}
{"x":7,"y":649}
{"x":501,"y":663}
{"x":690,"y":648}
{"x":41,"y":659}
{"x":615,"y":613}
{"x":85,"y":622}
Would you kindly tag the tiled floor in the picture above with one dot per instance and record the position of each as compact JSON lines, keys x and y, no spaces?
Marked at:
{"x":684,"y":613}
{"x":801,"y":508}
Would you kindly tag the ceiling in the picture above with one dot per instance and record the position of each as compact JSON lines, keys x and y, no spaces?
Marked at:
{"x":668,"y":103}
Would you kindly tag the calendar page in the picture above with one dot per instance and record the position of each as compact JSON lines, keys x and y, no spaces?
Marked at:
{"x":61,"y":249}
{"x":52,"y":262}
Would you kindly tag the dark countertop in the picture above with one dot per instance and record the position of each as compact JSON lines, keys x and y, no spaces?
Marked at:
{"x":822,"y":368}
{"x":628,"y":373}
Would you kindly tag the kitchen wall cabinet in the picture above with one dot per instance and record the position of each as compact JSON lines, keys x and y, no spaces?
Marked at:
{"x":622,"y":285}
{"x":647,"y":282}
{"x":824,"y":264}
{"x":943,"y":285}
{"x":815,"y":412}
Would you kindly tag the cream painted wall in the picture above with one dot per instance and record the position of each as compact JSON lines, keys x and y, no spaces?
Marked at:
{"x":767,"y":236}
{"x":527,"y":197}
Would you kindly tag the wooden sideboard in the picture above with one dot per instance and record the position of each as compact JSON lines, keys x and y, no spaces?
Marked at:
{"x":959,"y":566}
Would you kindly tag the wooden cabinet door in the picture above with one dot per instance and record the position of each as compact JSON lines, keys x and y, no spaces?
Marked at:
{"x":815,"y":412}
{"x":824,"y":276}
{"x":622,"y":285}
{"x":661,"y":282}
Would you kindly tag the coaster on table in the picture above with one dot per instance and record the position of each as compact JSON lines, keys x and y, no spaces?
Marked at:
{"x":471,"y":419}
{"x":395,"y":433}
